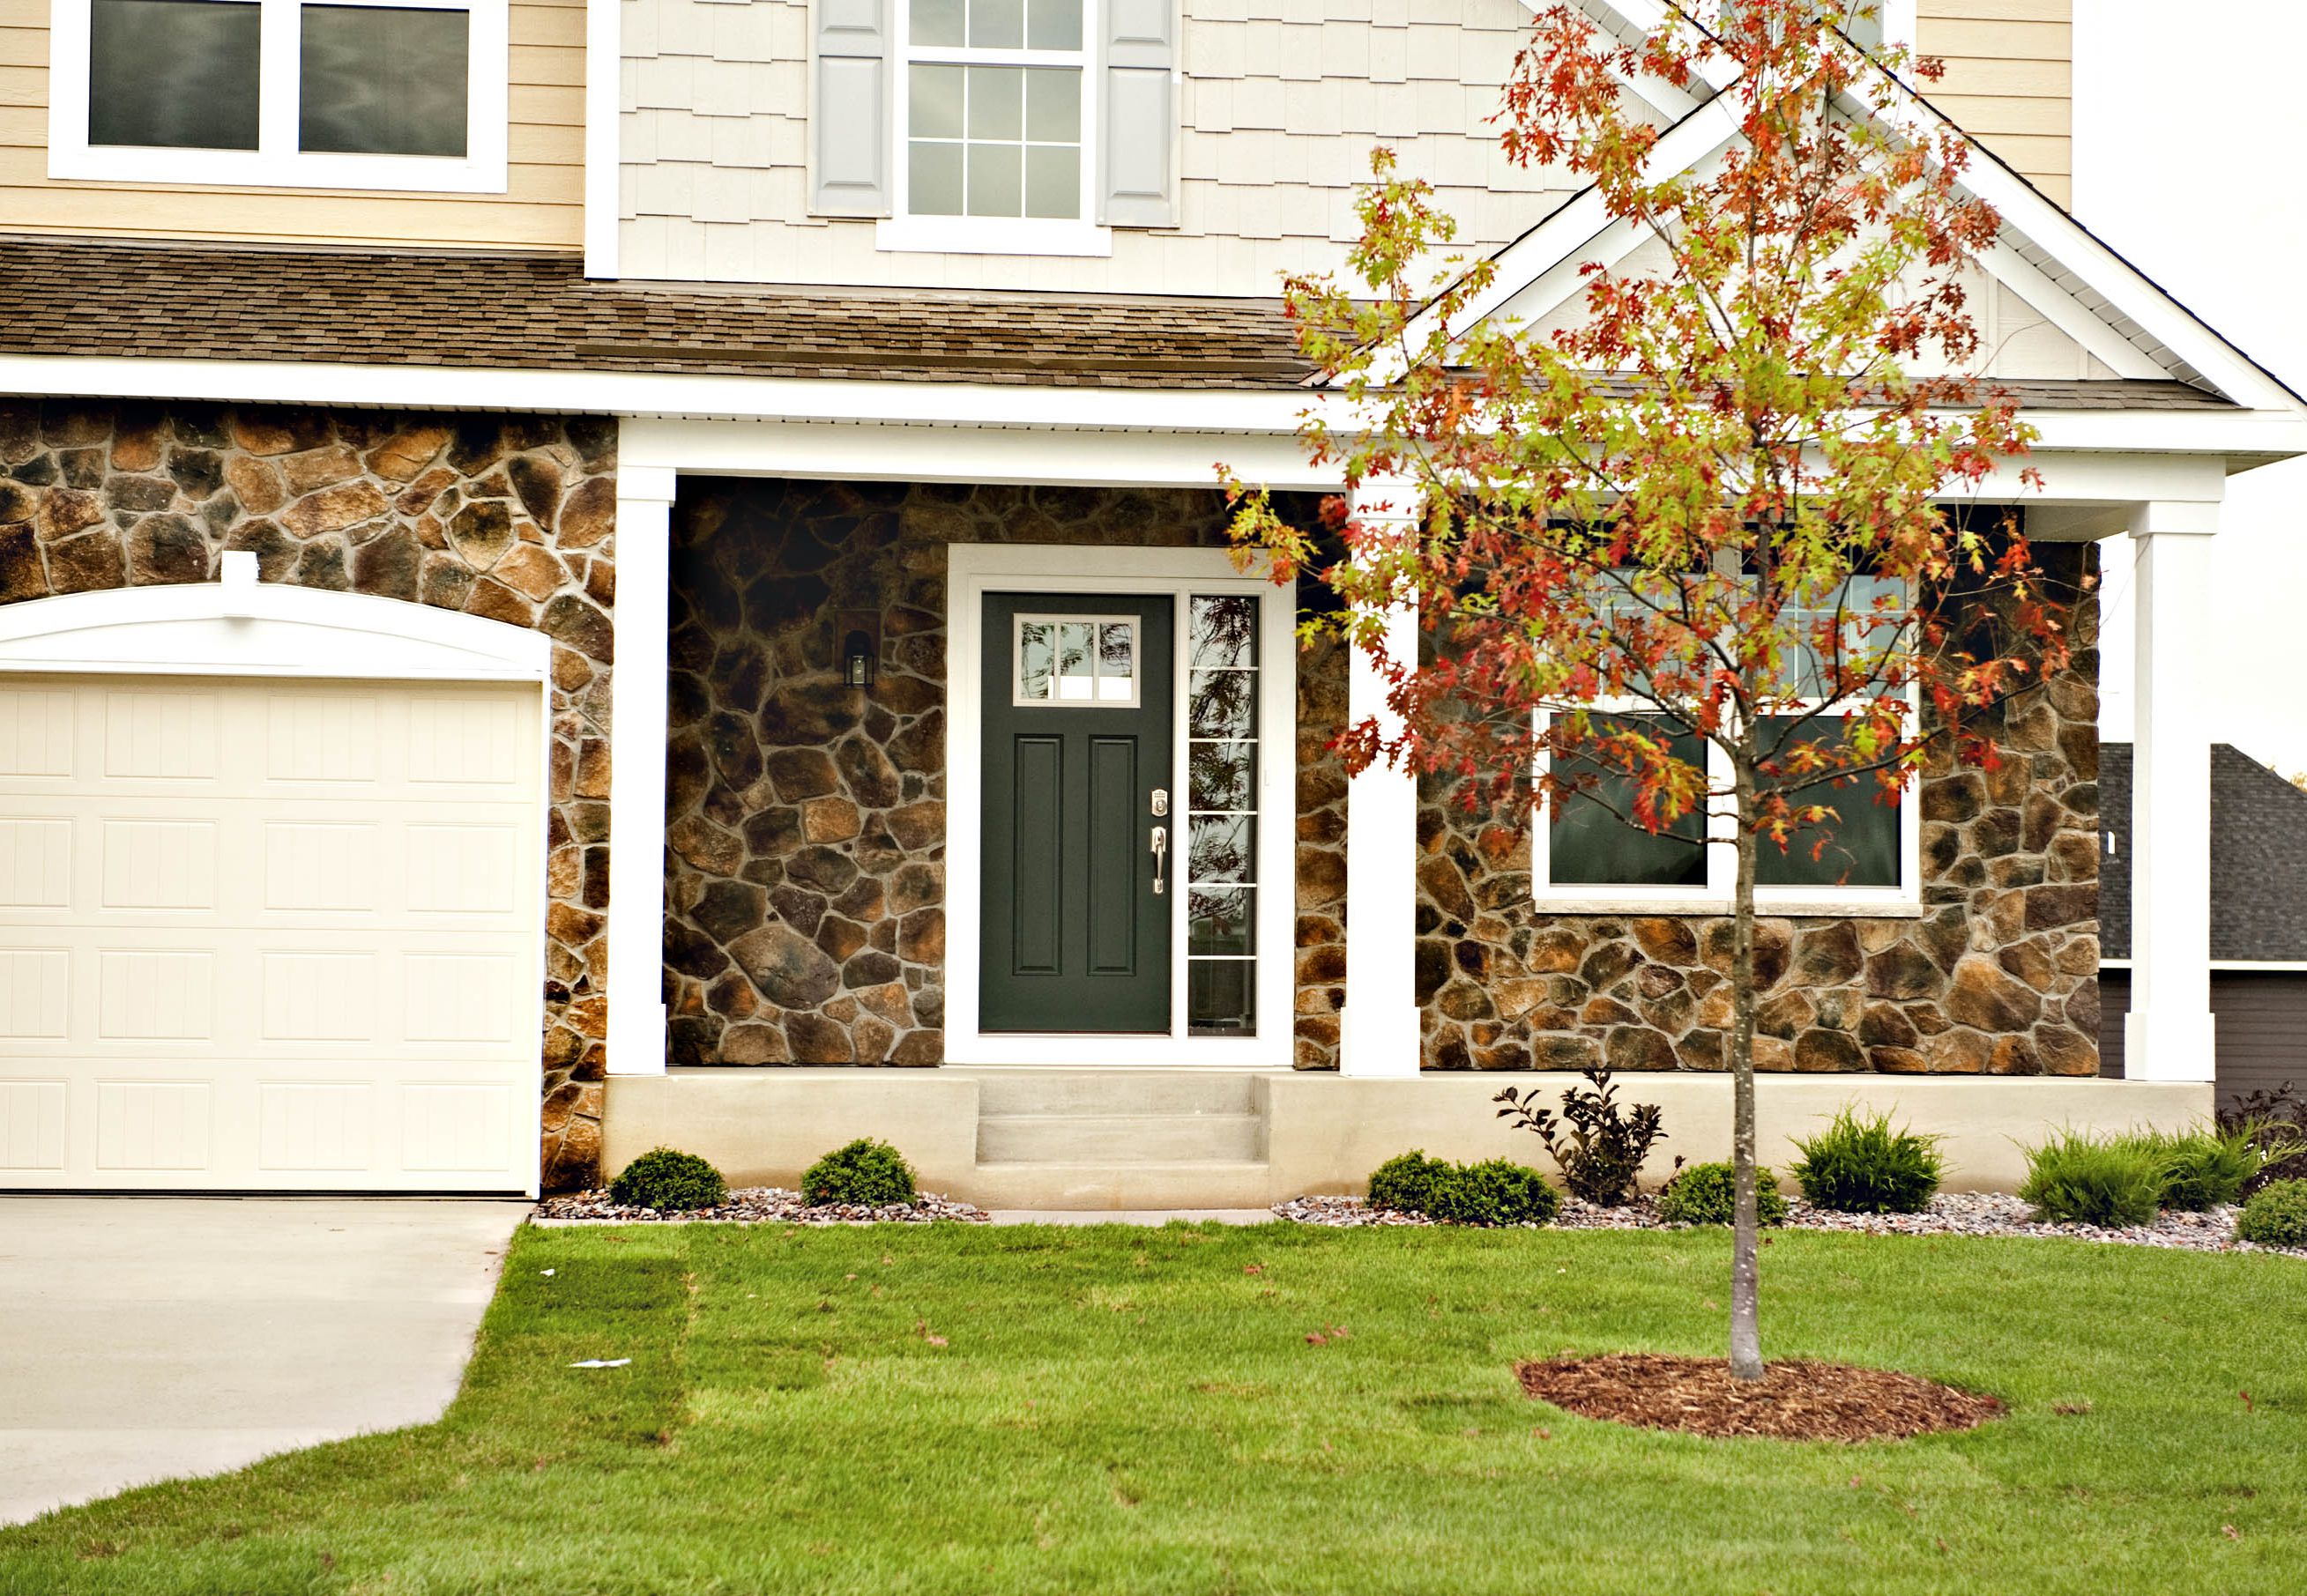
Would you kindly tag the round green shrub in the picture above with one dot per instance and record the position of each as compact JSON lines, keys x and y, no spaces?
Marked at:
{"x":2275,"y":1215}
{"x":1405,"y":1182}
{"x":2079,"y":1179}
{"x":1861,"y":1166}
{"x":1708,"y":1194}
{"x":866,"y":1173}
{"x":669,"y":1182}
{"x":1496,"y":1192}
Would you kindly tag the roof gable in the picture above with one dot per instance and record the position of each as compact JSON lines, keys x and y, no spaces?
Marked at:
{"x":2077,"y":296}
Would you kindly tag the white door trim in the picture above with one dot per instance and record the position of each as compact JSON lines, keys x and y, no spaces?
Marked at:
{"x":237,"y":626}
{"x":973,"y":570}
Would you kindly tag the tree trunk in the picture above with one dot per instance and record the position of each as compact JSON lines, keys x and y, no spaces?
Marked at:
{"x":1746,"y":1328}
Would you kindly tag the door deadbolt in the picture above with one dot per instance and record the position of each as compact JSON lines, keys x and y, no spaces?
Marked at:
{"x":1161,"y":801}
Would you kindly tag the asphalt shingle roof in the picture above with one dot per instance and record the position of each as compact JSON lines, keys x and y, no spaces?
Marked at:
{"x":109,"y":297}
{"x":2259,"y":858}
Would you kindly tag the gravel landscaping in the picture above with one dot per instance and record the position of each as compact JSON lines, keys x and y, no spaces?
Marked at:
{"x":757,"y":1205}
{"x":1950,"y":1214}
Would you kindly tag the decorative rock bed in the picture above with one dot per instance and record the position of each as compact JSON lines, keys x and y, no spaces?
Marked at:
{"x":757,"y":1205}
{"x":1950,"y":1214}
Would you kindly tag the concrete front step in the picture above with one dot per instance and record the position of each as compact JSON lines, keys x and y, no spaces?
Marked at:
{"x":1104,"y":1092}
{"x":1183,"y":1185}
{"x":1121,"y":1138}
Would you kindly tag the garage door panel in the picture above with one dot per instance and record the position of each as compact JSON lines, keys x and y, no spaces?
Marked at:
{"x":268,"y":935}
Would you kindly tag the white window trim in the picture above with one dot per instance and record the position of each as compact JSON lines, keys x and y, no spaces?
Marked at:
{"x":973,"y":570}
{"x":276,"y":162}
{"x":902,"y":232}
{"x":1903,"y":900}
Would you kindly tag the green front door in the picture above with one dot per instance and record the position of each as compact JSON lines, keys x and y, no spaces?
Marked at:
{"x":1079,"y":703}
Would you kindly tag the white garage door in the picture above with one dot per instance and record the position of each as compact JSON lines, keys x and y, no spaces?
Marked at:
{"x":269,"y":935}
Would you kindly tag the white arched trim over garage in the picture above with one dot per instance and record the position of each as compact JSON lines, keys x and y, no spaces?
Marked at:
{"x":241,"y":627}
{"x":272,"y":892}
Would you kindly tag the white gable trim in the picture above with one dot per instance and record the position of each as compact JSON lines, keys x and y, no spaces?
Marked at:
{"x":2092,"y":297}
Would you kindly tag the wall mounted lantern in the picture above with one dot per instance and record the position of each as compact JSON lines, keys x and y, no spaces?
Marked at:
{"x":860,"y":631}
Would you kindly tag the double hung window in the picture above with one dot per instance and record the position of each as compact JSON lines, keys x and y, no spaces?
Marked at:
{"x":995,"y":103}
{"x":1587,"y":853}
{"x":306,"y":93}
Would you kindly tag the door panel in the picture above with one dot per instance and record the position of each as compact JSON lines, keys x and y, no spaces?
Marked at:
{"x":1079,"y":696}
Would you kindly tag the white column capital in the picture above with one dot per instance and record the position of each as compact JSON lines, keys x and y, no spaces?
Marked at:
{"x":646,"y":484}
{"x":2174,"y":518}
{"x":641,"y":620}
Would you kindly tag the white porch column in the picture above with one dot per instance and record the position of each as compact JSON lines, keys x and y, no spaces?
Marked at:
{"x":637,"y":730}
{"x":2167,"y":1036}
{"x":1378,"y":1032}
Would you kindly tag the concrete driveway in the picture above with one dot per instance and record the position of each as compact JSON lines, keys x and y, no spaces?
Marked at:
{"x":143,"y":1338}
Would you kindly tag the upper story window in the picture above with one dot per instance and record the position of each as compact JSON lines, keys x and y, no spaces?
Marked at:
{"x":409,"y":95}
{"x":995,"y":105}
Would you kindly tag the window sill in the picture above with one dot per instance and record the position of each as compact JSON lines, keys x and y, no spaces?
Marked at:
{"x":991,"y":236}
{"x":1778,"y":909}
{"x":249,"y":168}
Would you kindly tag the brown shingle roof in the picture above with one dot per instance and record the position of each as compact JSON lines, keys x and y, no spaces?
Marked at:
{"x":99,"y":297}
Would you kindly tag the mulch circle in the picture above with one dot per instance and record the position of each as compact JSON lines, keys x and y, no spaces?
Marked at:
{"x":1794,"y":1401}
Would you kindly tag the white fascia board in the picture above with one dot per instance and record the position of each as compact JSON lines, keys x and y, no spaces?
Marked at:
{"x":1221,"y":415}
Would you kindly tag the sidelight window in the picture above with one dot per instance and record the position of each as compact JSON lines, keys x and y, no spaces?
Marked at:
{"x":1221,"y":747}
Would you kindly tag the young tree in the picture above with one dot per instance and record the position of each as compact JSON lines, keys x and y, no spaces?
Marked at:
{"x":1685,"y":560}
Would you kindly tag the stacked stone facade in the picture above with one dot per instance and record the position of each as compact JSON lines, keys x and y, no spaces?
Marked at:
{"x":806,"y":819}
{"x":1998,"y":974}
{"x":511,"y":518}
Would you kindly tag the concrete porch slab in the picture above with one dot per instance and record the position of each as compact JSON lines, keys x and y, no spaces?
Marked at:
{"x":1323,"y":1132}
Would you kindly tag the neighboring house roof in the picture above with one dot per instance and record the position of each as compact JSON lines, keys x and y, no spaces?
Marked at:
{"x":2258,"y":859}
{"x":104,"y":297}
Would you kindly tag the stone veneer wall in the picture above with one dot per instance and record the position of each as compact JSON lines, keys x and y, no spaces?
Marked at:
{"x":1999,"y":975}
{"x":806,"y":830}
{"x":511,"y":518}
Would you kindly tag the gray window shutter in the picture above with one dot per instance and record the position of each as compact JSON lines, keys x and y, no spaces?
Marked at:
{"x":849,"y":132}
{"x":1137,"y":156}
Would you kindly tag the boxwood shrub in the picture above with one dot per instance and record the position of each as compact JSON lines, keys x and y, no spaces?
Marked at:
{"x":2275,"y":1215}
{"x":1495,"y":1191}
{"x":669,"y":1182}
{"x":1858,"y":1164}
{"x":865,"y":1174}
{"x":1708,"y":1194}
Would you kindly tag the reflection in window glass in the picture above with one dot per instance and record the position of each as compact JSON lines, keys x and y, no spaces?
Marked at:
{"x":382,"y":81}
{"x":1034,"y":659}
{"x":1076,"y":666}
{"x":1087,"y":660}
{"x":179,"y":74}
{"x":1589,"y":845}
{"x":1113,"y":661}
{"x":1862,"y":843}
{"x":1221,"y":862}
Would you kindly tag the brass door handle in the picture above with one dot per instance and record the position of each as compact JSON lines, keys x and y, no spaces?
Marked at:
{"x":1161,"y":855}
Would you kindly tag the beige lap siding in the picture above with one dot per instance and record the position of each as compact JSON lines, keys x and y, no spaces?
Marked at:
{"x":2010,"y":80}
{"x":542,"y":207}
{"x":511,"y":518}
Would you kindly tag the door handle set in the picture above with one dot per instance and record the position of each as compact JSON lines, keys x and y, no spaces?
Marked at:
{"x":1161,"y":855}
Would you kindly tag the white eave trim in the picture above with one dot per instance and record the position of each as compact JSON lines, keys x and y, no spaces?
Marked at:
{"x":1218,"y":413}
{"x":2274,"y":967}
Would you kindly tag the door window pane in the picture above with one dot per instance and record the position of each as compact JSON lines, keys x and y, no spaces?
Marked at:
{"x":1222,"y":632}
{"x":1075,"y":661}
{"x":1221,"y":848}
{"x":1589,"y":845}
{"x":1219,"y":775}
{"x":1114,"y":662}
{"x":176,"y":73}
{"x":1219,"y":921}
{"x":1862,"y":843}
{"x":1223,"y":703}
{"x":1222,"y":997}
{"x":378,"y":80}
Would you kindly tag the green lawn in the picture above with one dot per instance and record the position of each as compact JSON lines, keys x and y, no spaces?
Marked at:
{"x":907,"y":1409}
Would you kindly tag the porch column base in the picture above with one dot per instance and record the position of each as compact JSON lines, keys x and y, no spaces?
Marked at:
{"x":2170,"y":1044}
